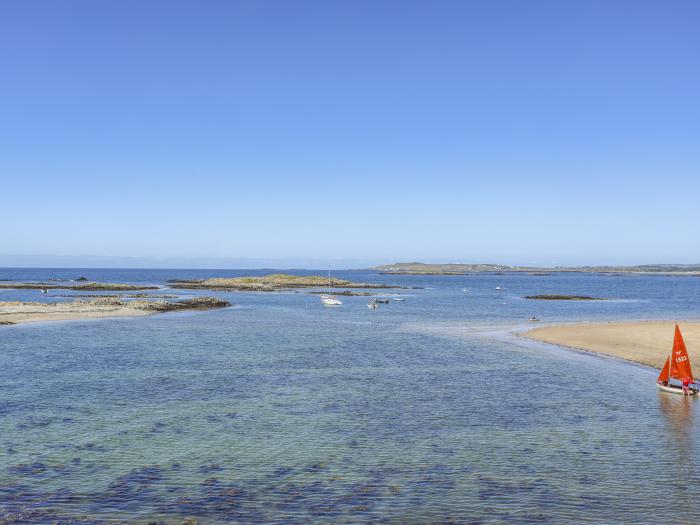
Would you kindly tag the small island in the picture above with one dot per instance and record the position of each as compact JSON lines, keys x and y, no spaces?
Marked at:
{"x":271,"y":283}
{"x":417,"y":268}
{"x":86,"y":286}
{"x":555,"y":297}
{"x":13,"y":312}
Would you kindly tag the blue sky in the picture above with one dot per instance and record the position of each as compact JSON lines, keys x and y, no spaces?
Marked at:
{"x":504,"y":131}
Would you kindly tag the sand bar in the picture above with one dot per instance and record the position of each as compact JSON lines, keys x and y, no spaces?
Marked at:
{"x":14,"y":312}
{"x":647,"y":342}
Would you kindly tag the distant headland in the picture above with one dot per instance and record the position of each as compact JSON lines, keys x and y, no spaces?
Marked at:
{"x":418,"y":268}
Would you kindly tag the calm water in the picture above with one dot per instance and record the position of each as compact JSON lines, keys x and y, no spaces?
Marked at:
{"x":279,"y":410}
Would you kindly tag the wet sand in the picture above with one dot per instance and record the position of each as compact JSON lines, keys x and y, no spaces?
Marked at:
{"x":18,"y":312}
{"x":646,"y":342}
{"x":15,"y":312}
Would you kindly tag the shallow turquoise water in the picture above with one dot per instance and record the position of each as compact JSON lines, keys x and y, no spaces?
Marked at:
{"x":279,"y":410}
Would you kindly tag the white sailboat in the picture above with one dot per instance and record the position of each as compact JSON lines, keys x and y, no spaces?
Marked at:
{"x":328,"y":299}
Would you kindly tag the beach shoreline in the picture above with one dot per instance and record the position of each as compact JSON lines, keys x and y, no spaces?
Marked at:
{"x":646,"y":343}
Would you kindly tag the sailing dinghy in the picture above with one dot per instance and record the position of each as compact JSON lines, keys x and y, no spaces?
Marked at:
{"x":677,"y":366}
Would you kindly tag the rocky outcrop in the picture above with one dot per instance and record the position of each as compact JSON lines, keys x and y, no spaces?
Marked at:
{"x":271,"y":283}
{"x":89,"y":287}
{"x":13,"y":312}
{"x":196,"y":303}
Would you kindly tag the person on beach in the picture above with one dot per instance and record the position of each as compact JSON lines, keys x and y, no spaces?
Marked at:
{"x":686,"y":384}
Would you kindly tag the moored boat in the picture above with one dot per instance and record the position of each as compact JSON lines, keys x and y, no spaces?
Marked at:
{"x":677,"y":367}
{"x":328,"y":299}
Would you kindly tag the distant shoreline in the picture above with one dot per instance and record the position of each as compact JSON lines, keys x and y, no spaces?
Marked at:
{"x":644,"y":342}
{"x":416,"y":268}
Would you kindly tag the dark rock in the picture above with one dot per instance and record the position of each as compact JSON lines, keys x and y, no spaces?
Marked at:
{"x":214,"y":467}
{"x":555,"y":297}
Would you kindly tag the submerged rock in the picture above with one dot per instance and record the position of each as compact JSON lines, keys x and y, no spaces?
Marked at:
{"x":554,"y":297}
{"x":28,"y":468}
{"x":348,"y":293}
{"x":214,"y":467}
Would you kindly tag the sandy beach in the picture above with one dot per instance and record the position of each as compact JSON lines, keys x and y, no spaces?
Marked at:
{"x":647,"y":342}
{"x":15,"y":312}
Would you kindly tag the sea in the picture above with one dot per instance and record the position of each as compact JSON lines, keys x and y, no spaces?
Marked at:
{"x":280,"y":410}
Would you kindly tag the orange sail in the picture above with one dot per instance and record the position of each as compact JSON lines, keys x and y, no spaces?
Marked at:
{"x":680,"y":362}
{"x":663,"y":376}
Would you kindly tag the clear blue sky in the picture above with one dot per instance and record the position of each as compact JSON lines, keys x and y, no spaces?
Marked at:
{"x":503,"y":131}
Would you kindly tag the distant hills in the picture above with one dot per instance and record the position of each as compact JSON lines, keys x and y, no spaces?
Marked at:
{"x":417,"y":268}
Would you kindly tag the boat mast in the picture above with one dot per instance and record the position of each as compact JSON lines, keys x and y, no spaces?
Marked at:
{"x":670,"y":364}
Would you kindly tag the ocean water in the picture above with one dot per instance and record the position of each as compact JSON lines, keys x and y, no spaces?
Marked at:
{"x":280,"y":410}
